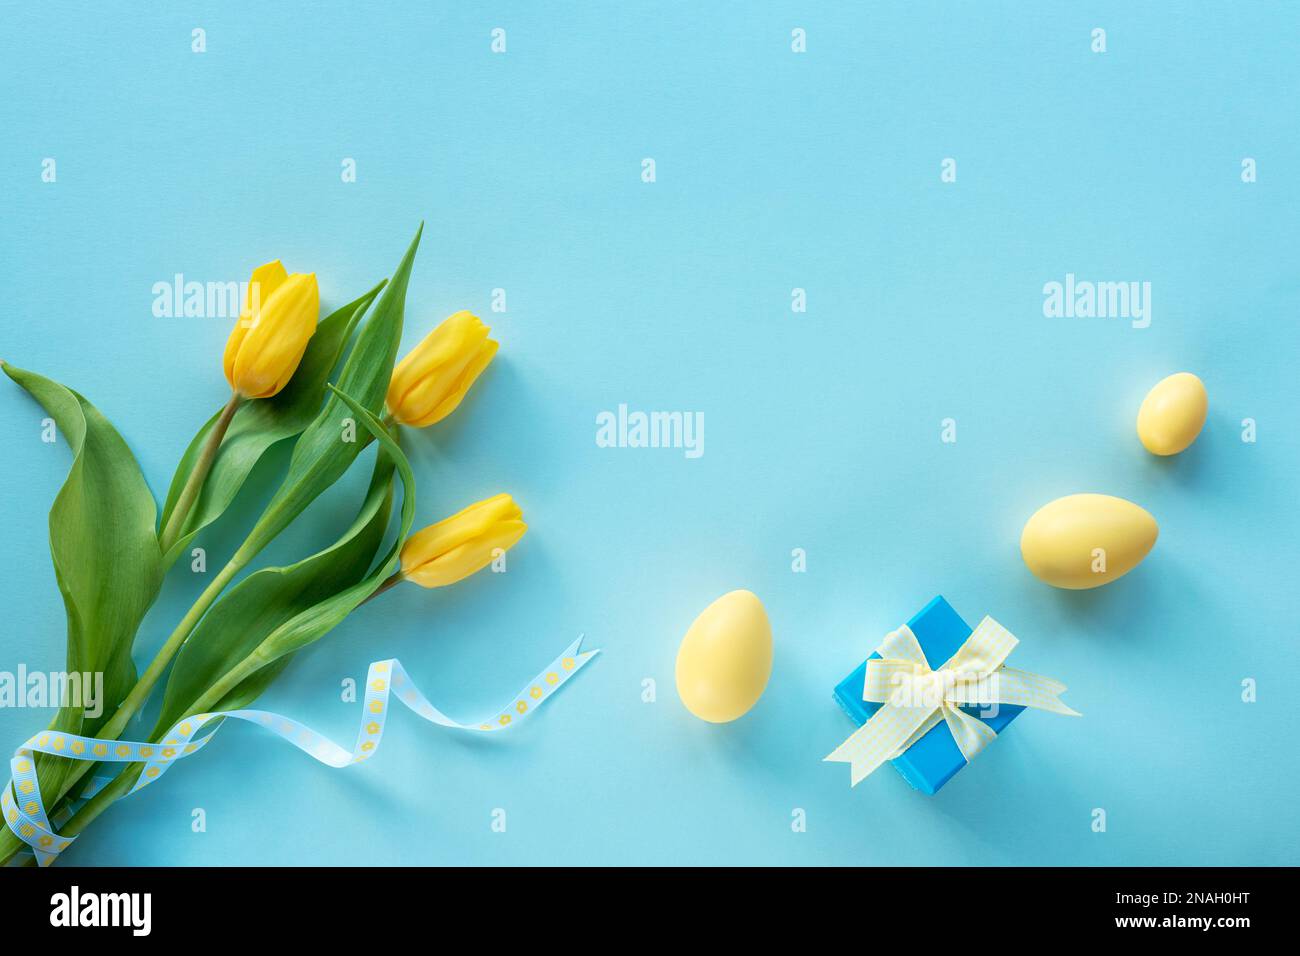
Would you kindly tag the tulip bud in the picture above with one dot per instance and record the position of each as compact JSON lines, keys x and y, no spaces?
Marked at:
{"x":456,"y":547}
{"x":271,"y":335}
{"x":429,"y":383}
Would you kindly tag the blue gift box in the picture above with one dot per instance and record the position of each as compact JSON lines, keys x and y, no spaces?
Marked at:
{"x":934,"y":759}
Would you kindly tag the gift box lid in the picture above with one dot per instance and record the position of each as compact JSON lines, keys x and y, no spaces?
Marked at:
{"x":934,"y":759}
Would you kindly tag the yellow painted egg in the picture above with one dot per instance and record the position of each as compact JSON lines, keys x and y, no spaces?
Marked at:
{"x":725,"y":658}
{"x":1172,"y":414}
{"x":1085,"y":541}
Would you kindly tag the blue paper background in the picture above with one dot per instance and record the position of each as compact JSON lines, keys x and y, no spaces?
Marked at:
{"x":775,"y":170}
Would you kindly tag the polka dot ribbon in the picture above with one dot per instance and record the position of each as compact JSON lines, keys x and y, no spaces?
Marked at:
{"x":21,"y":800}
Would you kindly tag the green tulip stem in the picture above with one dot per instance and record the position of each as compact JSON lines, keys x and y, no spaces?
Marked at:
{"x":134,"y":700}
{"x":194,"y":484}
{"x":388,"y":582}
{"x":144,"y":686}
{"x":118,"y":787}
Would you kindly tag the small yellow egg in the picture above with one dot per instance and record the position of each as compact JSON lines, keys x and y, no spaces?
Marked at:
{"x":1085,"y":541}
{"x":1172,"y":414}
{"x":725,"y":658}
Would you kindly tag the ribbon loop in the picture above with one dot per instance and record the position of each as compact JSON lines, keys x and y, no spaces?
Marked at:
{"x":902,"y":645}
{"x":984,"y":651}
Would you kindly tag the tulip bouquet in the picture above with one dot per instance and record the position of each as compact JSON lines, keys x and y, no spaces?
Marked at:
{"x":111,"y":547}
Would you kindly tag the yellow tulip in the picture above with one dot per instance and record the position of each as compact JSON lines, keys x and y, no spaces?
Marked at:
{"x":268,"y":341}
{"x":456,"y":547}
{"x":429,"y":383}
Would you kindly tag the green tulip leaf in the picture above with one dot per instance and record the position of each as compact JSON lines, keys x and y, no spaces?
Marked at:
{"x":105,"y":553}
{"x":330,"y":444}
{"x":318,"y":620}
{"x":258,"y":425}
{"x":248,"y":639}
{"x":264,"y":600}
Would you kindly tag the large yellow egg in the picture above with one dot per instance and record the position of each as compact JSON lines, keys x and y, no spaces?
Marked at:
{"x":1172,"y":414}
{"x":725,"y":658}
{"x":1085,"y":541}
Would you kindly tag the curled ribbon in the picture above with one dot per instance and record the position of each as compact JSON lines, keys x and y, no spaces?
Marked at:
{"x":916,"y":698}
{"x":25,"y":814}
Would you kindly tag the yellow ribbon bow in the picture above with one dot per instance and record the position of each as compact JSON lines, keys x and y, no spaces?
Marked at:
{"x":916,"y":698}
